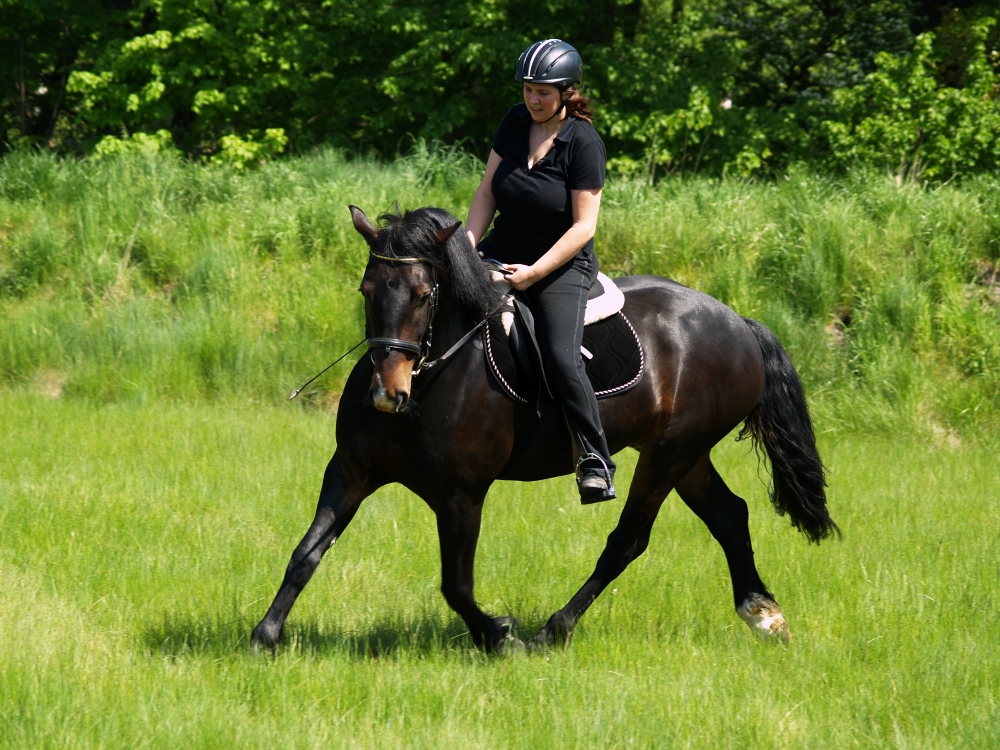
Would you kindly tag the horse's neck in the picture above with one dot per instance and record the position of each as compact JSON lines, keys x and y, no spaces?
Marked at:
{"x":453,"y":320}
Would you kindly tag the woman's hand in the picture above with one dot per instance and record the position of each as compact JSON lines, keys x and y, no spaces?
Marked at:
{"x":519,"y":276}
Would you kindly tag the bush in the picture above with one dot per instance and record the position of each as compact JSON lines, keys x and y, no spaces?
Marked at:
{"x":901,"y":118}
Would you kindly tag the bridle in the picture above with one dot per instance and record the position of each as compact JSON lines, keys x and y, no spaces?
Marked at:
{"x":422,"y":349}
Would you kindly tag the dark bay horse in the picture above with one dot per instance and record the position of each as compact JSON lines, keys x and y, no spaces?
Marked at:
{"x":449,"y":432}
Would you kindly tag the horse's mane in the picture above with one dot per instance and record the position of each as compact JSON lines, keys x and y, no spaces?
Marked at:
{"x":413,"y":234}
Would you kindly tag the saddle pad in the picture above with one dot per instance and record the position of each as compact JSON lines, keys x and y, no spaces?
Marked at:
{"x":605,"y":297}
{"x":612,"y":355}
{"x":605,"y":300}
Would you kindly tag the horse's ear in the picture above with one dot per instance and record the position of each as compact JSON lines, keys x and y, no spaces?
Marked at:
{"x":364,"y":227}
{"x":444,"y":234}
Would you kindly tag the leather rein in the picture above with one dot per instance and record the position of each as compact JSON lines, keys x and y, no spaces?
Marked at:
{"x":422,"y":349}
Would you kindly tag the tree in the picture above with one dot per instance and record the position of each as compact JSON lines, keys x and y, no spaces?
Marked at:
{"x":41,"y":43}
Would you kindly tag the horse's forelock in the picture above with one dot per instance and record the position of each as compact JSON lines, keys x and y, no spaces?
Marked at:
{"x":414,"y":234}
{"x":411,"y":235}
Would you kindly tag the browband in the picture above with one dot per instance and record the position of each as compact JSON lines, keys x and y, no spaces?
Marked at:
{"x":392,"y":259}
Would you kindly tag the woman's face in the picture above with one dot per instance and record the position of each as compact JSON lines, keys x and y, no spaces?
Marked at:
{"x":543,"y":100}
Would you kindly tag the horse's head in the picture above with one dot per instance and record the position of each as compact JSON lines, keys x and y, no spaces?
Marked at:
{"x":400,"y":287}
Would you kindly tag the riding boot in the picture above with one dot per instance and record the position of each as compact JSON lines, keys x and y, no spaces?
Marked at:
{"x":595,"y":474}
{"x":595,"y":481}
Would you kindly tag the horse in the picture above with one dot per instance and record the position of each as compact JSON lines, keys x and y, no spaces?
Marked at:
{"x":413,"y":412}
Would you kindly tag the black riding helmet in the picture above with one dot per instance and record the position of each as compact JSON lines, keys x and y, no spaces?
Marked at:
{"x":550,"y":61}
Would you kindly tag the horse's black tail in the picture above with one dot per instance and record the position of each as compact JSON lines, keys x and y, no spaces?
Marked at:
{"x":780,"y":424}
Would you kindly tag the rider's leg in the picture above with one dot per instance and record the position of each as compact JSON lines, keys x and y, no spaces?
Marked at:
{"x":558,"y":303}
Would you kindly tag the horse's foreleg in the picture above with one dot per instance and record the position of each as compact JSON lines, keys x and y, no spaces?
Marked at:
{"x":338,"y":502}
{"x":626,"y":542}
{"x":458,"y":522}
{"x":726,"y":516}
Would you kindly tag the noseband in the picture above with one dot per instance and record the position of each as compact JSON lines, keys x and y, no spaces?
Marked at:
{"x":422,"y":348}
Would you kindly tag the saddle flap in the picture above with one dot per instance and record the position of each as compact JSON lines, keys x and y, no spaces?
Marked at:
{"x":613,"y":357}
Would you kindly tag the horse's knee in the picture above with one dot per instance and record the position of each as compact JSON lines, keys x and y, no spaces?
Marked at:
{"x":624,"y":548}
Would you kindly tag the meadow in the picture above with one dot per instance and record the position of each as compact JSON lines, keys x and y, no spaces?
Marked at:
{"x":140,"y":544}
{"x":154,"y":315}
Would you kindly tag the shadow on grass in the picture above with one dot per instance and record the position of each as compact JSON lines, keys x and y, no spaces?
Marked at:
{"x":221,"y":636}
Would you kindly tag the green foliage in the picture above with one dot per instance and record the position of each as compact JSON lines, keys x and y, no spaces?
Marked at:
{"x":661,"y":94}
{"x":702,"y":86}
{"x":42,"y":42}
{"x":242,"y":153}
{"x":899,"y":117}
{"x":160,"y":142}
{"x":197,"y":68}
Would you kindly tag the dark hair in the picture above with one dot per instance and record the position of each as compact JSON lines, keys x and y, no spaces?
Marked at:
{"x":577,"y":104}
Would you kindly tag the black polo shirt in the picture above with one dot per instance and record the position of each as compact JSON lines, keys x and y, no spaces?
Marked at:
{"x":535,"y":206}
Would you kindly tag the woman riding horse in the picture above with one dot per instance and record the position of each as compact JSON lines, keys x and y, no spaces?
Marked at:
{"x":413,"y":413}
{"x":545,"y":174}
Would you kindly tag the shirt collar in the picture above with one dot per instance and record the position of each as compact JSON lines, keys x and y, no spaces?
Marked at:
{"x":565,"y":132}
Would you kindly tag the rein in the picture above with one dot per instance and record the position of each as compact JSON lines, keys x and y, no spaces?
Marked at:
{"x":464,"y":340}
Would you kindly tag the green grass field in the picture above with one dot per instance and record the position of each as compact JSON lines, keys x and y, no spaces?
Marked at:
{"x":140,"y":544}
{"x":155,"y":313}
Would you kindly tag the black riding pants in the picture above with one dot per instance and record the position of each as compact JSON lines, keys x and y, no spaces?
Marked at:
{"x":558,"y":303}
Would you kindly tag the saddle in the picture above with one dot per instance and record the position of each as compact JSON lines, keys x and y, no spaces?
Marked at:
{"x":612,"y":354}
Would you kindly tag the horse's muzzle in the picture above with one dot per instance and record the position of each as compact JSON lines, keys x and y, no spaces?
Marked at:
{"x":386,"y":398}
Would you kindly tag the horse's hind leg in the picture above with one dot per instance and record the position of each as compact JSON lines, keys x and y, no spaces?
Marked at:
{"x":651,"y":483}
{"x":338,"y":502}
{"x":725,"y":514}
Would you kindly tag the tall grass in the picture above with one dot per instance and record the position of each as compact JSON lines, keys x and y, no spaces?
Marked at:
{"x":155,"y":278}
{"x":886,"y":293}
{"x":152,"y":278}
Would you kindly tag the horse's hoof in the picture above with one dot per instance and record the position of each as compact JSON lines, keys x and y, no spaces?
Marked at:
{"x":764,"y":618}
{"x":556,"y":631}
{"x":263,"y":638}
{"x":505,"y":625}
{"x":510,"y":645}
{"x":507,"y":642}
{"x":541,"y":642}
